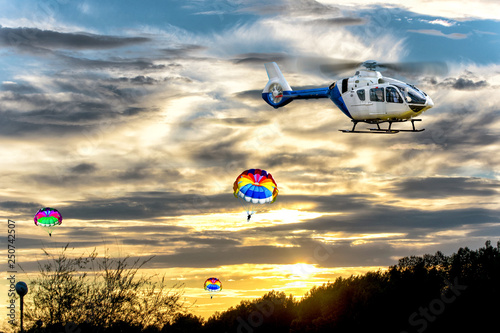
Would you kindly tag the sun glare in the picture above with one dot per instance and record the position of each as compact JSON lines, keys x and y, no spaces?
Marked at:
{"x":302,"y":270}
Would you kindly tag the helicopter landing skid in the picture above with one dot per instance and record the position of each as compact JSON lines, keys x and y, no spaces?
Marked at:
{"x":389,"y":130}
{"x":372,"y":131}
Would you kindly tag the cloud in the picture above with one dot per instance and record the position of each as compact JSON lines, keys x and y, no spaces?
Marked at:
{"x":292,"y":8}
{"x":260,"y":58}
{"x":83,"y":168}
{"x":47,"y":39}
{"x":339,"y":21}
{"x":20,"y":206}
{"x":267,"y":254}
{"x":372,"y":219}
{"x":466,"y":84}
{"x":438,"y":33}
{"x":148,"y":205}
{"x":453,"y":9}
{"x":445,"y":23}
{"x":72,"y":104}
{"x":460,"y":83}
{"x":441,"y":187}
{"x":19,"y":88}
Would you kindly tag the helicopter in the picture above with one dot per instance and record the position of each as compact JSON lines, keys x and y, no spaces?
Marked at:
{"x":366,"y":97}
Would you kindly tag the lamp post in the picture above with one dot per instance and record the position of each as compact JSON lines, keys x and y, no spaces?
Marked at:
{"x":21,"y":289}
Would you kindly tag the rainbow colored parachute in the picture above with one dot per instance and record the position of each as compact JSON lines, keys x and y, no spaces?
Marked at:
{"x":48,"y":218}
{"x":255,"y":187}
{"x":213,"y":286}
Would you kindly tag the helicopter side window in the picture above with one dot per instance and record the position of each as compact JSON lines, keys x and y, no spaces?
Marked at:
{"x":344,"y":85}
{"x":392,"y":95}
{"x":361,"y":94}
{"x":377,"y":94}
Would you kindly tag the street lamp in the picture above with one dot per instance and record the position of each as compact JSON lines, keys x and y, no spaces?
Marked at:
{"x":21,"y":289}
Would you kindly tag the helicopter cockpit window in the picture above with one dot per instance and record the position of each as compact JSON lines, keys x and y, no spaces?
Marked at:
{"x":392,"y":95}
{"x":361,"y":94}
{"x":412,"y":94}
{"x":377,"y":94}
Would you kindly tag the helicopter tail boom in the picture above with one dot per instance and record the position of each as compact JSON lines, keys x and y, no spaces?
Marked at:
{"x":278,"y":92}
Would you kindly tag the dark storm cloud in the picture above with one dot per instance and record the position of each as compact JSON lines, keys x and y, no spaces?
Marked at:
{"x":313,"y":158}
{"x":462,"y":119}
{"x":151,"y":170}
{"x":260,"y":58}
{"x":436,"y":187}
{"x":205,"y":241}
{"x":319,"y":132}
{"x":64,"y":118}
{"x":20,"y":206}
{"x":241,"y":121}
{"x":141,"y":79}
{"x":378,"y":218}
{"x":94,"y":101}
{"x":487,"y":232}
{"x":251,"y":95}
{"x":182,"y":51}
{"x":223,"y":150}
{"x":130,"y":64}
{"x":461,"y":83}
{"x":36,"y":38}
{"x":308,"y":252}
{"x":20,"y":88}
{"x":148,"y":205}
{"x":292,"y":8}
{"x":83,"y":168}
{"x":466,"y":84}
{"x":339,"y":21}
{"x":52,"y":44}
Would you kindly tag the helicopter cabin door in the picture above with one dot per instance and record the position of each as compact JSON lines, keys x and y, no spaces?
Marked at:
{"x":394,"y":101}
{"x":359,"y":103}
{"x":377,"y":103}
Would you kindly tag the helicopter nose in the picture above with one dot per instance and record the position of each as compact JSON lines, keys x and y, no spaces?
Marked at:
{"x":429,"y":102}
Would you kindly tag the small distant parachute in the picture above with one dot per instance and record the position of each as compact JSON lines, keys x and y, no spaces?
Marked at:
{"x":213,"y":286}
{"x":255,"y":187}
{"x":48,"y":218}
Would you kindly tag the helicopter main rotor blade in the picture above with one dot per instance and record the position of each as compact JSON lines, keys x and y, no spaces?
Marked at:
{"x":339,"y":67}
{"x":422,"y":67}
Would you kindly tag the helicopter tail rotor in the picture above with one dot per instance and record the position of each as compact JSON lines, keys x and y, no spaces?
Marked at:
{"x":278,"y":92}
{"x":277,"y":88}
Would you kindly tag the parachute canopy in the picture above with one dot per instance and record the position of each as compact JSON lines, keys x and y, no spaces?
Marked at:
{"x":255,"y":186}
{"x":212,"y":286}
{"x":48,"y":218}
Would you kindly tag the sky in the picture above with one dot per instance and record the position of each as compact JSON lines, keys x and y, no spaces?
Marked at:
{"x":133,"y":119}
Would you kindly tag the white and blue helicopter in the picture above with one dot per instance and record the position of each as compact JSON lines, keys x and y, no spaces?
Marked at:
{"x":365,"y":97}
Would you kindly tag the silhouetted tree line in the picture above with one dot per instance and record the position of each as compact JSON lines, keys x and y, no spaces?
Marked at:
{"x":431,"y":293}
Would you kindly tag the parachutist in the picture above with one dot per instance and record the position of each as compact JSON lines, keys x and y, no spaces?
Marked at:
{"x":249,"y":217}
